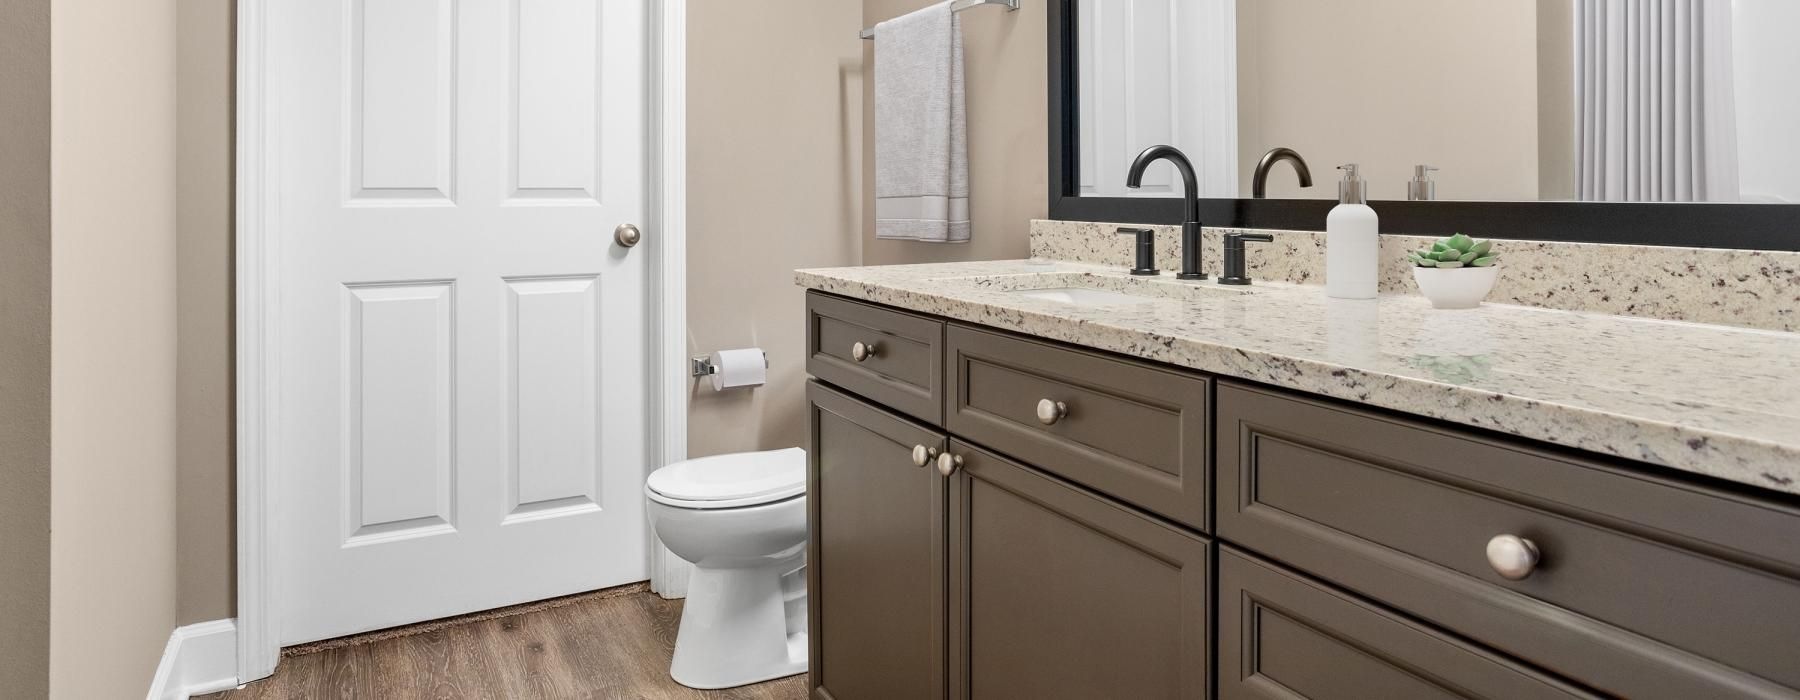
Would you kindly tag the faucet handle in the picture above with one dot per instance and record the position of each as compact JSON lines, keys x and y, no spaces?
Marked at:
{"x":1145,"y":245}
{"x":1234,"y":256}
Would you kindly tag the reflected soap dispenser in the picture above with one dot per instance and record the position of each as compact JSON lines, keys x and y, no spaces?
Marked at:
{"x":1352,"y":241}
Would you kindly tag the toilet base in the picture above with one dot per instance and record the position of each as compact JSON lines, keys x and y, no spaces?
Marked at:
{"x":741,"y":625}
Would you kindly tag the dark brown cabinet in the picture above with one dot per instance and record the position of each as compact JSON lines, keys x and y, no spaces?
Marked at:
{"x":875,"y":569}
{"x":975,"y":577}
{"x":1066,"y":523}
{"x":1644,"y":587}
{"x":1059,"y":593}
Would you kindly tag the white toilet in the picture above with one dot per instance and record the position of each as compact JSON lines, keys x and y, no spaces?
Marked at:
{"x":741,"y":519}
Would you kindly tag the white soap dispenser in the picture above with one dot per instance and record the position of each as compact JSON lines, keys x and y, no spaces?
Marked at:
{"x":1352,"y":241}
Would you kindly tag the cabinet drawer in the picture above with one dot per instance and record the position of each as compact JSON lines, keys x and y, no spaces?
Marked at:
{"x":904,"y":364}
{"x":1060,"y":593}
{"x":1645,"y":586}
{"x":1283,"y":636}
{"x":1131,"y":430}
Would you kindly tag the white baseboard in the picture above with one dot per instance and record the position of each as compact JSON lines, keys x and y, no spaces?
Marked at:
{"x":668,"y":573}
{"x":200,"y":658}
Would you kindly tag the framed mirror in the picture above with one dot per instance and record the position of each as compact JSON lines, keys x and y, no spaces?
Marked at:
{"x":1653,"y":122}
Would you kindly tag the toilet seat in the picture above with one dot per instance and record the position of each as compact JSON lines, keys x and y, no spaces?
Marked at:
{"x":731,"y":480}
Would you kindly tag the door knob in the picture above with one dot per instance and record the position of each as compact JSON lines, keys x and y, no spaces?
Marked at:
{"x":922,"y":455}
{"x":947,"y":463}
{"x":1049,"y":412}
{"x":627,"y":235}
{"x":1512,"y":556}
{"x":862,"y":351}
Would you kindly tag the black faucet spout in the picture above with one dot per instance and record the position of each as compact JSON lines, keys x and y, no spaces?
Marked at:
{"x":1260,"y":180}
{"x":1190,"y":225}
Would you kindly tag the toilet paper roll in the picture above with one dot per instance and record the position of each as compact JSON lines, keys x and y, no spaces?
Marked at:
{"x":741,"y":367}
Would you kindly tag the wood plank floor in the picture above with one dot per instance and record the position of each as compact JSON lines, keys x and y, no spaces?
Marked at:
{"x":602,"y":647}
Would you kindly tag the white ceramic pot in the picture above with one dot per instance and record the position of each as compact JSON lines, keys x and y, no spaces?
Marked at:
{"x":1458,"y":287}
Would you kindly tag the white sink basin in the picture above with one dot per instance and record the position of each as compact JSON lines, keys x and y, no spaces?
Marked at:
{"x":1083,"y":296}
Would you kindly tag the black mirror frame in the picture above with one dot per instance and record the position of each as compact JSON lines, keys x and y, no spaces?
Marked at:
{"x":1694,"y":225}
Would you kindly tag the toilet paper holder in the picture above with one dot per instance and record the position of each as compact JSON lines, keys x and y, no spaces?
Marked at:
{"x":702,"y":366}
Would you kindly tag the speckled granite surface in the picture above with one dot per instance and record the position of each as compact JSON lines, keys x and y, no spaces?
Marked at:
{"x":1749,"y":288}
{"x":1707,"y":399}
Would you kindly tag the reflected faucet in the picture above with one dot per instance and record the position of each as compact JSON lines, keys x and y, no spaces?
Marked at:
{"x":1259,"y":182}
{"x":1190,"y":225}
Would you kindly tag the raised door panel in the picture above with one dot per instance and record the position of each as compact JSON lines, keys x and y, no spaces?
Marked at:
{"x":1057,"y":592}
{"x":399,"y":451}
{"x":555,"y":101}
{"x":875,"y":569}
{"x":553,"y":390}
{"x":1283,"y":636}
{"x":402,"y":88}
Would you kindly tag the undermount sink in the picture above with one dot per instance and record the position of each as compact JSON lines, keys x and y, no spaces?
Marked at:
{"x":1083,"y":296}
{"x":1088,"y":289}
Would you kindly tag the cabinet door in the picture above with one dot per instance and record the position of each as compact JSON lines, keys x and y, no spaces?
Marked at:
{"x":1057,"y":592}
{"x":875,"y":574}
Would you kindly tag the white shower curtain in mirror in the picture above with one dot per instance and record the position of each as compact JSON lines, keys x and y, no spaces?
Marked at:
{"x":1654,"y":90}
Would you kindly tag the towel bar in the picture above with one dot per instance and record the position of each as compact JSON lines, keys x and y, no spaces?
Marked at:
{"x":959,"y":6}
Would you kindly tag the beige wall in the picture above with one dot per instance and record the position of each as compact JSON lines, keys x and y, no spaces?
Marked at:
{"x":1389,"y":84}
{"x":203,"y":260}
{"x":25,"y":347}
{"x":112,"y":557}
{"x":1006,"y":88}
{"x":774,"y":137}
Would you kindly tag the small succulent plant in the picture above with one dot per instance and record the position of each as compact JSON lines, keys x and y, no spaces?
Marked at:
{"x":1456,"y":251}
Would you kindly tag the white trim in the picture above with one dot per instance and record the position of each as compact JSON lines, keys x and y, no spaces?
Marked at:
{"x":668,"y":573}
{"x":258,"y":263}
{"x":257,"y":358}
{"x":199,"y":659}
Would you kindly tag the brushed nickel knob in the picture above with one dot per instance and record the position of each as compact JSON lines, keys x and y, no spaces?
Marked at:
{"x":627,"y":235}
{"x":862,"y":351}
{"x":1512,"y":556}
{"x":1049,"y":412}
{"x":947,"y":463}
{"x":922,"y":455}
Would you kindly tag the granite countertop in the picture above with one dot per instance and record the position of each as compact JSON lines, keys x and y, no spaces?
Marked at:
{"x":1707,"y":399}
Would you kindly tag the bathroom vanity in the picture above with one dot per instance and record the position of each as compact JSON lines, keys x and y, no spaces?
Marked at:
{"x":1034,"y":480}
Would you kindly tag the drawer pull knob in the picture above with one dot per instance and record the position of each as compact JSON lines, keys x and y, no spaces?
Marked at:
{"x":922,"y":455}
{"x":947,"y":463}
{"x":1050,"y":412}
{"x":1512,"y":556}
{"x":862,"y":351}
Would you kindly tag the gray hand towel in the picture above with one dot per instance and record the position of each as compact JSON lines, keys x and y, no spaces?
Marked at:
{"x":921,"y":136}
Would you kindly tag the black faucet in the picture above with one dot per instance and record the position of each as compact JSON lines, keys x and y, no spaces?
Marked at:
{"x":1190,"y":225}
{"x":1259,"y":182}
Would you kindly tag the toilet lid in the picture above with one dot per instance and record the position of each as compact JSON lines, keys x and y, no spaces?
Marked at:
{"x":751,"y":477}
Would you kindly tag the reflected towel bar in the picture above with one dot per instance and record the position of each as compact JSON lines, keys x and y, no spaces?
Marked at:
{"x":959,"y":6}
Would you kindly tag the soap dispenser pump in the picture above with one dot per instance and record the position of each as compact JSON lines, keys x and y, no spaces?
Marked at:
{"x":1421,"y":188}
{"x":1352,"y":241}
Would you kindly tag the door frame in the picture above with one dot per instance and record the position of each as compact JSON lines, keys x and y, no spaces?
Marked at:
{"x":258,"y":267}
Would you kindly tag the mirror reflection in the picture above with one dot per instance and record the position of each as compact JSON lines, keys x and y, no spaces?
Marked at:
{"x":1499,"y":100}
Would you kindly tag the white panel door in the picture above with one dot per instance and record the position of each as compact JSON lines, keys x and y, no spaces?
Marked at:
{"x":459,"y":423}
